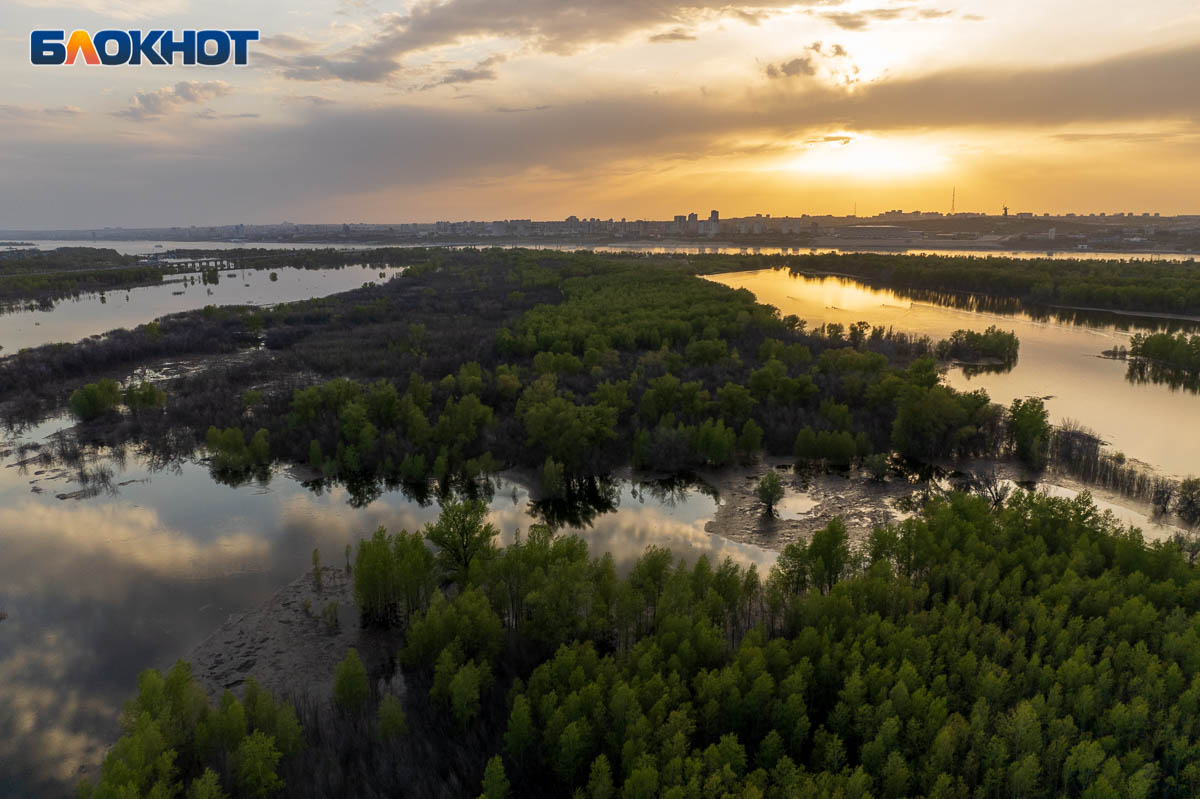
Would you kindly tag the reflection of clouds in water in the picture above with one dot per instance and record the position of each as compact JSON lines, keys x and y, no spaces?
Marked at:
{"x":44,"y":721}
{"x":111,"y":535}
{"x":99,"y":590}
{"x":678,"y":524}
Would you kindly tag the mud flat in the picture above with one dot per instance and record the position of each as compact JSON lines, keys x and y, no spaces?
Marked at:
{"x":292,"y":643}
{"x":810,"y":502}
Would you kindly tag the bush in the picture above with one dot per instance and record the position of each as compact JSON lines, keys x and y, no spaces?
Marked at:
{"x":95,"y":399}
{"x":145,"y":396}
{"x":350,"y":685}
{"x":391,"y":722}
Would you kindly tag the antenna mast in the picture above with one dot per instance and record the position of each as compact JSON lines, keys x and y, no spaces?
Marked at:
{"x":953,"y":198}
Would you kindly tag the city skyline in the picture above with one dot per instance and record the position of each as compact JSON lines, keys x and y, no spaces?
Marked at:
{"x":424,"y":111}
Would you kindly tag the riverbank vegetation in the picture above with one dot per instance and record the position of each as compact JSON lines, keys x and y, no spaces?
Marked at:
{"x":1153,"y":286}
{"x":569,"y":365}
{"x":1163,"y":358}
{"x":1032,"y":649}
{"x":993,"y":348}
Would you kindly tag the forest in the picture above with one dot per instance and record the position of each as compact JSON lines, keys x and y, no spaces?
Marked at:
{"x":1032,"y":649}
{"x":570,"y":365}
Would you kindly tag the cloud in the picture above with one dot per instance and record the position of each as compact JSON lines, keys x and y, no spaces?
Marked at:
{"x":309,"y":99}
{"x":119,"y":9}
{"x":209,"y":114}
{"x":146,"y":105}
{"x":861,"y":20}
{"x":383,"y":152}
{"x":288,"y":43}
{"x":484,"y":70}
{"x":675,"y":35}
{"x":791,"y":69}
{"x":806,"y":65}
{"x":550,"y":26}
{"x":63,"y":111}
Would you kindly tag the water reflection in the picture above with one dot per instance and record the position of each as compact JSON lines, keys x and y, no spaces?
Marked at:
{"x":75,"y":318}
{"x":1059,"y":360}
{"x":98,"y":588}
{"x":1141,"y":372}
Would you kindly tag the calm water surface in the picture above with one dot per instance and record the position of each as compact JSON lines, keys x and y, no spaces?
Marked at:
{"x":657,"y":247}
{"x":98,"y":589}
{"x":1061,"y":361}
{"x":89,"y":314}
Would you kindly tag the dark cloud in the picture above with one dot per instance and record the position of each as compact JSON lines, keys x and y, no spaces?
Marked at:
{"x":161,"y":102}
{"x":676,"y":35}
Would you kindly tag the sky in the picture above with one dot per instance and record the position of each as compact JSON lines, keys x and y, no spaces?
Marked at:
{"x":374,"y":111}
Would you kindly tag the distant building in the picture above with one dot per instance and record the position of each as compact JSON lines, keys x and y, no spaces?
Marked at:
{"x":877,"y":232}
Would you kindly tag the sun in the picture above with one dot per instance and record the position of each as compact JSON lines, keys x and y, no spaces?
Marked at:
{"x":865,"y":157}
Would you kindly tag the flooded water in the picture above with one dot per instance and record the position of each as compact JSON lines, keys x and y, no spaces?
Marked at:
{"x":98,"y":589}
{"x":656,"y":246}
{"x":75,"y":318}
{"x":127,"y":247}
{"x":1058,"y":360}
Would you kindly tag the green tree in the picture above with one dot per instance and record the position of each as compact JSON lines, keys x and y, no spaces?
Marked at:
{"x":255,"y":766}
{"x":769,"y":491}
{"x":495,"y":781}
{"x":1029,"y":430}
{"x":391,"y":723}
{"x":1187,"y":503}
{"x":600,"y":781}
{"x":520,"y":736}
{"x":206,"y":786}
{"x":350,"y":685}
{"x":462,"y":536}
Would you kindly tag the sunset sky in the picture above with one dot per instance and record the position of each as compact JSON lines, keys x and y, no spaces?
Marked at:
{"x":374,"y":111}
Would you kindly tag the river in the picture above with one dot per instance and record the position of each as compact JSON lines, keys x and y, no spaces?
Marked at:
{"x":659,"y":247}
{"x":1058,"y":360}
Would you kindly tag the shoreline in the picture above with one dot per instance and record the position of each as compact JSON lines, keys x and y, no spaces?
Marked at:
{"x":291,"y":646}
